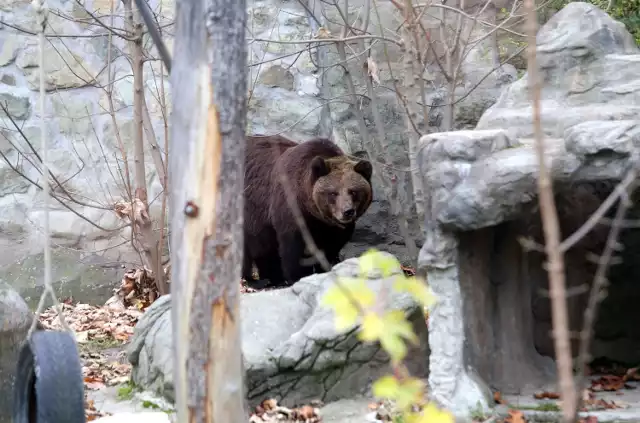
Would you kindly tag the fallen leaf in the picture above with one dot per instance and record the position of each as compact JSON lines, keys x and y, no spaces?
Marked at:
{"x":607,"y":383}
{"x":497,"y":397}
{"x":631,"y":374}
{"x":515,"y":416}
{"x":546,"y":395}
{"x":372,"y":70}
{"x":409,"y":271}
{"x":323,"y":33}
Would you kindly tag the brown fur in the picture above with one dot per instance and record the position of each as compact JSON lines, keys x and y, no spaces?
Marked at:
{"x":331,"y":190}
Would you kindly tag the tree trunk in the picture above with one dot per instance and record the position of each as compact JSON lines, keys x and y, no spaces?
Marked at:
{"x":207,"y":180}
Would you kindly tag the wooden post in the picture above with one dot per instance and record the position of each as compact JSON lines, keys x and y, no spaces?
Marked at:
{"x":206,"y":157}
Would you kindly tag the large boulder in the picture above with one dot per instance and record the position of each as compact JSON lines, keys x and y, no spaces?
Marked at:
{"x":292,"y":350}
{"x":588,"y":68}
{"x":15,"y":319}
{"x":493,"y":320}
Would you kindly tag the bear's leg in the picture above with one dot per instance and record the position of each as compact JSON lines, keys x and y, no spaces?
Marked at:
{"x":247,"y":267}
{"x":292,"y":248}
{"x":333,"y":257}
{"x":269,"y":268}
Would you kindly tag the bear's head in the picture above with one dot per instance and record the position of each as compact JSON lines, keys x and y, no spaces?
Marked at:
{"x":341,"y":188}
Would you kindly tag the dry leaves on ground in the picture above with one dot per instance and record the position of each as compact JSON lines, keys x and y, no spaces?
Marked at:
{"x":99,"y":370}
{"x":602,"y":383}
{"x":100,"y":333}
{"x":93,"y":323}
{"x":269,"y":411}
{"x":137,"y":288}
{"x":90,"y":411}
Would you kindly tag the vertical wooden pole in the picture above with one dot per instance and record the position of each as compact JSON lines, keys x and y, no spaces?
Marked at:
{"x":207,"y":180}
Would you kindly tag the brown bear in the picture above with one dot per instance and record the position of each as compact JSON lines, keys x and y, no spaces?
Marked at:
{"x":331,"y":190}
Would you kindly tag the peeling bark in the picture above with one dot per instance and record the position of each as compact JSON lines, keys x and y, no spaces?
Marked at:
{"x":207,"y":179}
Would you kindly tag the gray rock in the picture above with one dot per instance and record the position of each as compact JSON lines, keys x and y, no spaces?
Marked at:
{"x":491,"y":325}
{"x":292,"y":350}
{"x":8,"y":79}
{"x":151,"y":349}
{"x":15,"y":319}
{"x":18,"y":107}
{"x":277,"y":76}
{"x":67,"y":65}
{"x":8,"y":49}
{"x":11,"y":185}
{"x":588,"y":64}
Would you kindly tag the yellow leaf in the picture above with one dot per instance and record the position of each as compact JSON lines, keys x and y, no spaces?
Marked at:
{"x":390,"y":330}
{"x":432,"y":414}
{"x":345,"y":297}
{"x":405,"y":393}
{"x":372,"y":327}
{"x":396,"y":327}
{"x":386,"y":387}
{"x":416,"y":288}
{"x":373,"y":260}
{"x":410,"y":392}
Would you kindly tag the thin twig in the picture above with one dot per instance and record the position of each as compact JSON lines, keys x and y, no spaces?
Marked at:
{"x":551,"y":227}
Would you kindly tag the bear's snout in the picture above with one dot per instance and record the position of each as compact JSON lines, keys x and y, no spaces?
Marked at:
{"x":348,"y":214}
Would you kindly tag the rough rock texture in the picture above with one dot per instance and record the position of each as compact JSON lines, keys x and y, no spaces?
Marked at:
{"x":291,"y":348}
{"x":15,"y":319}
{"x":481,"y":195}
{"x":89,"y":244}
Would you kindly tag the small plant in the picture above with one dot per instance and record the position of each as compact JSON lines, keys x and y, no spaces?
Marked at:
{"x":547,"y":406}
{"x":125,"y":392}
{"x":150,"y":405}
{"x":477,"y":413}
{"x":353,"y":303}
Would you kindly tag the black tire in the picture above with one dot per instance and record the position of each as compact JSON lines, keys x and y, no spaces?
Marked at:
{"x":49,"y":387}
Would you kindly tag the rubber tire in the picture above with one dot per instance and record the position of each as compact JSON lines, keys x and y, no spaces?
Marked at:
{"x":49,"y":386}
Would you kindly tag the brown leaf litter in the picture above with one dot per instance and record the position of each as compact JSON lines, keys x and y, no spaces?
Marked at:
{"x":268,"y":411}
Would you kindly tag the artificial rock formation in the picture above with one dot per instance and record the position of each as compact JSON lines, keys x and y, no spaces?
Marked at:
{"x":491,"y":325}
{"x":292,"y":350}
{"x":15,"y":319}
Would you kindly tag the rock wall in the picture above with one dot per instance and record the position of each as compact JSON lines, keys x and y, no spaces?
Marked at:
{"x":293,"y":90}
{"x":481,"y":190}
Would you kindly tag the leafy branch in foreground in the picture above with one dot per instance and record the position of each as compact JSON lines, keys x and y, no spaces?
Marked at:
{"x":354,"y":303}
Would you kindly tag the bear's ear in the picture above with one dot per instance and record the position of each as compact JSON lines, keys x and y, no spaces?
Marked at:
{"x":319,"y":167}
{"x":364,"y":168}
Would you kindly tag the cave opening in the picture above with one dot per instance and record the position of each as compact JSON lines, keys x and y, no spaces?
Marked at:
{"x":507,"y":309}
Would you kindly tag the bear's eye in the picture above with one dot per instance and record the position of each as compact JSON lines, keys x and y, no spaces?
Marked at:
{"x":333,"y":195}
{"x":353,"y":194}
